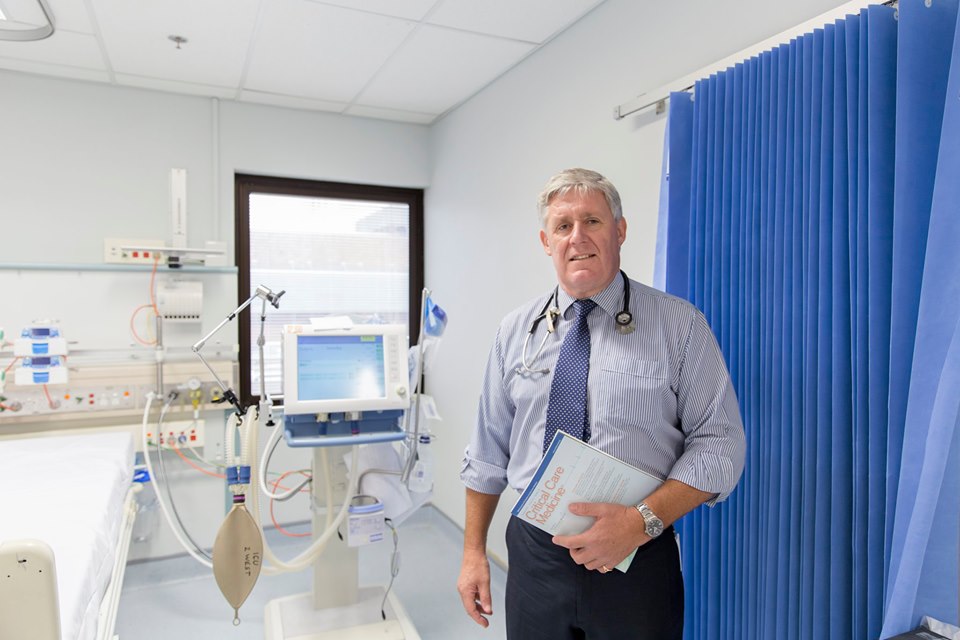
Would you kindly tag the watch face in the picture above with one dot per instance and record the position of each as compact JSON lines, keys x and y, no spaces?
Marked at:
{"x":654,"y":527}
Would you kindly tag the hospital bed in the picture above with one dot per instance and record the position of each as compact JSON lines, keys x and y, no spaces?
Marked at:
{"x":73,"y":495}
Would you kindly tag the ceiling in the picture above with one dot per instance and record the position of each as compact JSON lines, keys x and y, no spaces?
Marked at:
{"x":403,"y":60}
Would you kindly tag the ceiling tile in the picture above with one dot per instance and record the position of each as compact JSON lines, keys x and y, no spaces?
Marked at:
{"x":291,"y":101}
{"x":437,"y":69}
{"x":531,"y":20}
{"x":390,"y":114}
{"x":135,"y":36}
{"x":402,"y":60}
{"x":319,"y":51}
{"x":63,"y":47}
{"x":407,"y":9}
{"x":70,"y":15}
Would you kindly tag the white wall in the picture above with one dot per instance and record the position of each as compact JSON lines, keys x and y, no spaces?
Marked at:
{"x":554,"y":111}
{"x":81,"y":162}
{"x":91,"y":160}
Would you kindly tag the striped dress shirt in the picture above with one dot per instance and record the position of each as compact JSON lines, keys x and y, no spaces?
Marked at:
{"x":659,"y":398}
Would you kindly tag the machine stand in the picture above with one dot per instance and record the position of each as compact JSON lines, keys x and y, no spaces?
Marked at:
{"x":337,"y":608}
{"x":295,"y":618}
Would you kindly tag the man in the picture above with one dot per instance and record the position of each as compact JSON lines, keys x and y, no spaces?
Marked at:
{"x":658,"y":397}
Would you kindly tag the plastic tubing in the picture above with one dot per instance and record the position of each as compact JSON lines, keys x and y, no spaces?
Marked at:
{"x":305,"y":559}
{"x":160,"y":500}
{"x":263,"y":469}
{"x":247,"y":429}
{"x":228,"y":429}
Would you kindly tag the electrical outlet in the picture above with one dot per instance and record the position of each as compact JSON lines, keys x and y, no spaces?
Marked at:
{"x":179,"y":435}
{"x":137,"y":251}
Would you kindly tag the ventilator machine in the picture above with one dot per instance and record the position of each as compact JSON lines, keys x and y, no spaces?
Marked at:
{"x":351,"y":394}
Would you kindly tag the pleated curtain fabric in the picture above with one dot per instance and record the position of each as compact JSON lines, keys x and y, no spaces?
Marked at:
{"x":814,"y":217}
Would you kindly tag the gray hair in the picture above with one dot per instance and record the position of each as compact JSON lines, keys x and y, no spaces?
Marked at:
{"x":582,"y":181}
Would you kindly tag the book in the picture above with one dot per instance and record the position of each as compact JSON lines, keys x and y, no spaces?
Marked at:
{"x":574,"y":471}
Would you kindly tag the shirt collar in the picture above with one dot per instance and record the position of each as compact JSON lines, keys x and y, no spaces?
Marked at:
{"x":610,"y":299}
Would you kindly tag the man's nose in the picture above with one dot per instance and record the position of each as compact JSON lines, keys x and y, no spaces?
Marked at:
{"x":578,"y":232}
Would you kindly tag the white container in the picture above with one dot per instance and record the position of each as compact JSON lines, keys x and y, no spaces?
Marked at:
{"x":421,"y":479}
{"x":365,"y":521}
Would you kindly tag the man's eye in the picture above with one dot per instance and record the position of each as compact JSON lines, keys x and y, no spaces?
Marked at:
{"x":562,"y":227}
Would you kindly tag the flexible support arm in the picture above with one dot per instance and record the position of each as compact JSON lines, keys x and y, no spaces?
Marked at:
{"x":266,"y":295}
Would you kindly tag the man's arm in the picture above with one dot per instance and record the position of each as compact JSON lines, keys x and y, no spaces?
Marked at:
{"x":618,"y":529}
{"x":671,"y":501}
{"x":474,"y":581}
{"x":715,"y":445}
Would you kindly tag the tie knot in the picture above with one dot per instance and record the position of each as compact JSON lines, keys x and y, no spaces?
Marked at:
{"x":583,"y":307}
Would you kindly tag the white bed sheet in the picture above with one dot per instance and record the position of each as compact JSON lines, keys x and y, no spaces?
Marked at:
{"x":69,"y":491}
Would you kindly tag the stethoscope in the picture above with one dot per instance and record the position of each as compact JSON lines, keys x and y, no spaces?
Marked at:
{"x":551,"y":311}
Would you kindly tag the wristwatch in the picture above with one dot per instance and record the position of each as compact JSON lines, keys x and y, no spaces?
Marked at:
{"x":654,"y":525}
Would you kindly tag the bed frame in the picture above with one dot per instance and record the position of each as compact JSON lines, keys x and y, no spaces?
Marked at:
{"x":29,"y":605}
{"x":107,"y":618}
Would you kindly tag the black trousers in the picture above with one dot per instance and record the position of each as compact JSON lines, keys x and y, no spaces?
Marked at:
{"x":550,"y":597}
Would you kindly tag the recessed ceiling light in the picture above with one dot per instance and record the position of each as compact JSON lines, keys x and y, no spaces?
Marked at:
{"x":27,"y":35}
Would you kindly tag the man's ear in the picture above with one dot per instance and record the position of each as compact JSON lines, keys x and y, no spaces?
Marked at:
{"x":622,"y":230}
{"x":543,"y":241}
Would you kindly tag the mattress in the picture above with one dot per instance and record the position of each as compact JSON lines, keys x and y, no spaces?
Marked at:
{"x":69,"y":491}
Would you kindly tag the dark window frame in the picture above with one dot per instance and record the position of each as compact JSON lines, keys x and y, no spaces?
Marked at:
{"x":245,"y":184}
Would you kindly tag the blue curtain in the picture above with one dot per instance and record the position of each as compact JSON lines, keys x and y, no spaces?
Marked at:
{"x":814,"y":217}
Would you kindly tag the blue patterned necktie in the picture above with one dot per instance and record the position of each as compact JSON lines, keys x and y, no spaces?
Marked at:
{"x":567,"y":407}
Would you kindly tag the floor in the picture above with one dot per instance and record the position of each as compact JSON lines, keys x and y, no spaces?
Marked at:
{"x":178,"y":598}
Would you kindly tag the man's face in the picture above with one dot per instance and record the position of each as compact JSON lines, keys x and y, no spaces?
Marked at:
{"x":584,"y":241}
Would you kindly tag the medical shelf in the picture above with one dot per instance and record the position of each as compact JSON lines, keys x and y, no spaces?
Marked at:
{"x":341,"y":431}
{"x":41,"y":266}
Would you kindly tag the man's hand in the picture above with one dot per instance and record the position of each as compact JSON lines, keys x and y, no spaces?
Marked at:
{"x":615,"y":533}
{"x":474,"y":587}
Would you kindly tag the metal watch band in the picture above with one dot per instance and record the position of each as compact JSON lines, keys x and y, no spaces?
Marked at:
{"x":653,"y":524}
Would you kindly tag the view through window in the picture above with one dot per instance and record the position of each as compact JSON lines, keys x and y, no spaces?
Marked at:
{"x":336,"y":249}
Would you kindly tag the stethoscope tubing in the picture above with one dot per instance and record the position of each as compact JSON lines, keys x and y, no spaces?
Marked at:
{"x":624,"y":320}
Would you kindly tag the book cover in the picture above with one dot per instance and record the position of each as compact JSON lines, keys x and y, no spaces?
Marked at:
{"x":574,"y":471}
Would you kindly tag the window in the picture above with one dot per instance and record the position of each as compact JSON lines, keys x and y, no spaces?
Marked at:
{"x":336,"y":249}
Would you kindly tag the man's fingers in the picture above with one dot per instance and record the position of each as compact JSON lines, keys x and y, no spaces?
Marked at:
{"x":479,"y":618}
{"x":486,"y":603}
{"x":570,"y":542}
{"x":475,"y":603}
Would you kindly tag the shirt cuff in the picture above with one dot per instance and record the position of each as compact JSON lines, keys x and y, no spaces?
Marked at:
{"x":482,"y":477}
{"x":707,"y":472}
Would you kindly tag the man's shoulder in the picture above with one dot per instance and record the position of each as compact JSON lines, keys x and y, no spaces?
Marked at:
{"x":645,"y":296}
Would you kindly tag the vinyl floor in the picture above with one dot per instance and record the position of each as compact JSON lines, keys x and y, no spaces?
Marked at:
{"x":177,"y":598}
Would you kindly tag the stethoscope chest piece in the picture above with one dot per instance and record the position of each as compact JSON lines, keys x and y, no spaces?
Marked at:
{"x":625,"y":323}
